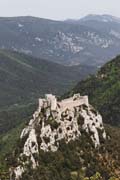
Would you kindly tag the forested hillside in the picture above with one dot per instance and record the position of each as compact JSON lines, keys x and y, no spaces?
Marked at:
{"x":24,"y":78}
{"x":104,"y":91}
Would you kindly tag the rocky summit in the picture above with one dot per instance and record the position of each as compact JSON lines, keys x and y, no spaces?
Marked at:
{"x":53,"y":122}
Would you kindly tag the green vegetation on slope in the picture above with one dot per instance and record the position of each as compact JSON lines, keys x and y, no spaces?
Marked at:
{"x":13,"y":116}
{"x":67,"y":163}
{"x":75,"y":160}
{"x":69,"y":160}
{"x":104,"y":91}
{"x":8,"y":142}
{"x":24,"y":78}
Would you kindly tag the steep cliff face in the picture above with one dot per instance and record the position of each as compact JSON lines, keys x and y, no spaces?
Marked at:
{"x":55,"y":121}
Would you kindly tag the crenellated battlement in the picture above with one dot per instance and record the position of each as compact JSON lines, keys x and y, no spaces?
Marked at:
{"x":69,"y":103}
{"x":74,"y":101}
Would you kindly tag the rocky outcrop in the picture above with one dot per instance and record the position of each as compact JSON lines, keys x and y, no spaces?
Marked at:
{"x":55,"y":121}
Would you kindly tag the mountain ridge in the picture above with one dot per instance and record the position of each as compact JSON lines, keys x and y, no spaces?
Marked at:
{"x":103,"y":17}
{"x":60,"y":41}
{"x":23,"y":75}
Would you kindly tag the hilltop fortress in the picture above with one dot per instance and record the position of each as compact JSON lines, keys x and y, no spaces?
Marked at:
{"x":50,"y":100}
{"x":55,"y":121}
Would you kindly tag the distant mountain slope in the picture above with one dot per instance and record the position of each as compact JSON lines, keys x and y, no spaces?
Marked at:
{"x":92,"y":40}
{"x":24,"y":78}
{"x":104,"y":91}
{"x":104,"y":23}
{"x":100,"y":18}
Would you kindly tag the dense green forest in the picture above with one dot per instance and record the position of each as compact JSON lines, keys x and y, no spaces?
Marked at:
{"x":77,"y":160}
{"x":103,"y":90}
{"x":24,"y":78}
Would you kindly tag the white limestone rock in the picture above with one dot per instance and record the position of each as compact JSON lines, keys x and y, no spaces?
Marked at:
{"x":18,"y":172}
{"x":59,"y":120}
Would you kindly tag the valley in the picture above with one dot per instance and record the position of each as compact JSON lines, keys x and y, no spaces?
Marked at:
{"x":105,"y":160}
{"x":24,"y":78}
{"x":60,"y":98}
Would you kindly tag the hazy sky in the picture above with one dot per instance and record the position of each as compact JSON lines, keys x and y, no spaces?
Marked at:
{"x":59,"y":9}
